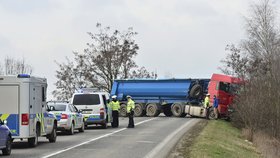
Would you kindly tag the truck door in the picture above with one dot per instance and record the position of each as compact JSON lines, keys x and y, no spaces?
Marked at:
{"x":9,"y":107}
{"x":40,"y":107}
{"x":33,"y":110}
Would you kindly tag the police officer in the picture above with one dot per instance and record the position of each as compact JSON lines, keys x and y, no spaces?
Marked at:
{"x":130,"y":111}
{"x":115,"y":106}
{"x":207,"y":105}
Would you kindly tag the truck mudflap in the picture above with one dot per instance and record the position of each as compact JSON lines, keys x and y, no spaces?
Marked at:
{"x":12,"y":122}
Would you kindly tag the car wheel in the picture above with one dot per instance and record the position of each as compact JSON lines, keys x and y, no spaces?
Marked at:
{"x":8,"y":149}
{"x":52,"y":136}
{"x":104,"y":125}
{"x":71,"y":130}
{"x":82,"y":129}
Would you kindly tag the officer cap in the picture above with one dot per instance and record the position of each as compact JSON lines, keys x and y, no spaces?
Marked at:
{"x":128,"y":96}
{"x":114,"y":97}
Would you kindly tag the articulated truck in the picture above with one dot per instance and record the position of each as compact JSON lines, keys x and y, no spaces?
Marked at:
{"x":177,"y":97}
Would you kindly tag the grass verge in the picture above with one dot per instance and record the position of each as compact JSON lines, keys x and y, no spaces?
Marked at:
{"x":219,"y":140}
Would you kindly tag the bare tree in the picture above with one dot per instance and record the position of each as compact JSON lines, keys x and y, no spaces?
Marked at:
{"x":14,"y":66}
{"x":257,"y":60}
{"x":109,"y":56}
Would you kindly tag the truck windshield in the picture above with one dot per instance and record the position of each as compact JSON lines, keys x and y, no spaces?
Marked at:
{"x":224,"y":86}
{"x":86,"y":99}
{"x":234,"y":88}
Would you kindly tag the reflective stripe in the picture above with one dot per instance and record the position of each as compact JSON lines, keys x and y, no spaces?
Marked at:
{"x":4,"y":117}
{"x":41,"y":120}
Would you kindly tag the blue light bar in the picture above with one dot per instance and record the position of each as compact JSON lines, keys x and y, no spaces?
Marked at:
{"x":23,"y":76}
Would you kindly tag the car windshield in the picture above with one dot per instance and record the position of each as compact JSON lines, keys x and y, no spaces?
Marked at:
{"x":58,"y":107}
{"x":86,"y":99}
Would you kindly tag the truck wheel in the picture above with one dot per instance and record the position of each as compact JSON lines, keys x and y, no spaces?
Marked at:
{"x":139,"y":110}
{"x":33,"y":142}
{"x":52,"y":136}
{"x":123,"y":110}
{"x":71,"y":130}
{"x":152,"y":110}
{"x":82,"y":129}
{"x":177,"y":110}
{"x":7,"y":150}
{"x":196,"y":91}
{"x":212,"y":114}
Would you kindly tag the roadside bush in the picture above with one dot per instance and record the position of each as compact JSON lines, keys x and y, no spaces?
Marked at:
{"x":257,"y":62}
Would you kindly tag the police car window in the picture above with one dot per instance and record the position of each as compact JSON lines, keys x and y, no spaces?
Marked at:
{"x":59,"y":107}
{"x":76,"y":110}
{"x":86,"y":99}
{"x":71,"y":108}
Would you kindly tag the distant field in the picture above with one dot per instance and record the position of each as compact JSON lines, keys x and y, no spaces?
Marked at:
{"x":220,"y":140}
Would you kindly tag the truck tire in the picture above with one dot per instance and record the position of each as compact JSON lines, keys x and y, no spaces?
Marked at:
{"x":7,"y":150}
{"x":123,"y":110}
{"x":177,"y":110}
{"x":139,"y":110}
{"x":196,"y":91}
{"x":52,"y":136}
{"x":212,"y":114}
{"x":33,"y":142}
{"x":152,"y":110}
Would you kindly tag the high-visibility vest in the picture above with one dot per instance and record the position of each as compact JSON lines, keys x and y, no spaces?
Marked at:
{"x":206,"y":102}
{"x":115,"y":105}
{"x":130,"y":106}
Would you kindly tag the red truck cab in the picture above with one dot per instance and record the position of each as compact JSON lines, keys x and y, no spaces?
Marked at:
{"x":225,"y":88}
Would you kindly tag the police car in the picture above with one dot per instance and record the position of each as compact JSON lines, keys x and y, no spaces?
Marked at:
{"x":93,"y":105}
{"x":5,"y":138}
{"x":68,"y":116}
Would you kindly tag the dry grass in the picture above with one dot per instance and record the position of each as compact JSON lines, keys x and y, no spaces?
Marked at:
{"x":269,"y":147}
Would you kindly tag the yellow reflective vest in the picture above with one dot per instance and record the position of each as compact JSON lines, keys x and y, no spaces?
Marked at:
{"x":206,"y":102}
{"x":130,"y":105}
{"x":115,"y":105}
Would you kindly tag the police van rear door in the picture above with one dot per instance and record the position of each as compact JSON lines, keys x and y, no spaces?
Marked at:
{"x":9,"y":106}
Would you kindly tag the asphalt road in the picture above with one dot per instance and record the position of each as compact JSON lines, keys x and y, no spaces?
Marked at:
{"x":152,"y":137}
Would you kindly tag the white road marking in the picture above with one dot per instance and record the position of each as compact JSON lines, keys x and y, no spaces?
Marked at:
{"x":160,"y":147}
{"x":94,"y":139}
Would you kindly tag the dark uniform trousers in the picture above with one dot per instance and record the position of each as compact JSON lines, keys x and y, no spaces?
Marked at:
{"x":115,"y":114}
{"x":131,"y":121}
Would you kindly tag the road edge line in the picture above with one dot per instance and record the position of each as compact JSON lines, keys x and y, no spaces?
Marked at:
{"x":165,"y":147}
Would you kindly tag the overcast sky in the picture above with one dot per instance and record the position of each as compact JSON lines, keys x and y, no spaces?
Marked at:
{"x":178,"y":38}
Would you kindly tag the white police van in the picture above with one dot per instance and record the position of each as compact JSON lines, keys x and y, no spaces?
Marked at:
{"x":93,"y":106}
{"x":23,"y":106}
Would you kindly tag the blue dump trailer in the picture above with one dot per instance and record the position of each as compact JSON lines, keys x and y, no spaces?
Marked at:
{"x":153,"y":96}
